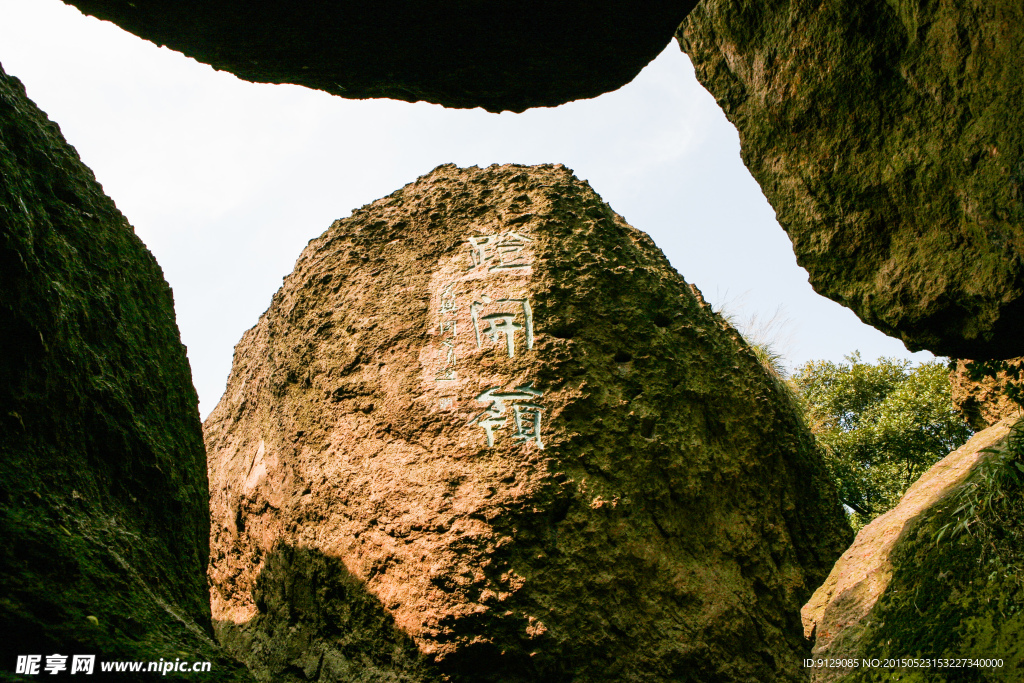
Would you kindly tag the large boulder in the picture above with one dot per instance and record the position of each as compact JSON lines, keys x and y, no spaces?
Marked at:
{"x":495,"y":54}
{"x":486,"y":432}
{"x":935,"y":578}
{"x":886,"y":134}
{"x":103,"y":493}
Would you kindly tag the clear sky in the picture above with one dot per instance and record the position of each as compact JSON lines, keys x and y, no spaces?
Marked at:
{"x":226,"y":181}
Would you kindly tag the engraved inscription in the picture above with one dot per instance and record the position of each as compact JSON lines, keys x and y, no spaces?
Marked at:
{"x":499,"y":252}
{"x":449,"y":329}
{"x":502,"y":322}
{"x":526,"y":413}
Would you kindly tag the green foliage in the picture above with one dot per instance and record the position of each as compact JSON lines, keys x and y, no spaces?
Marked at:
{"x":990,"y":506}
{"x":957,"y":588}
{"x":882,"y":426}
{"x":771,"y":360}
{"x":766,"y":336}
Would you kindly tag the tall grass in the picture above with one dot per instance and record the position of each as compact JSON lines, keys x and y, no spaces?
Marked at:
{"x":770,"y":337}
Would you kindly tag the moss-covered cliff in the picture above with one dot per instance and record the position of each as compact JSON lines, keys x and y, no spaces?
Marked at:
{"x":886,"y":134}
{"x":103,"y":493}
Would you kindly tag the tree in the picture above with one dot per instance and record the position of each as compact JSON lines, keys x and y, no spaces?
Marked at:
{"x":882,"y":426}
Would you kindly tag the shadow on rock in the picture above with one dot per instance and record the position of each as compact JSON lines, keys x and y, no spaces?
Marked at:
{"x":317,"y":621}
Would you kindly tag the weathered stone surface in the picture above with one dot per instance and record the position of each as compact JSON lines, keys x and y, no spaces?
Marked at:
{"x":984,"y":402}
{"x":657,"y":513}
{"x":845,"y":612}
{"x":495,"y":54}
{"x":886,"y":134}
{"x":103,"y":491}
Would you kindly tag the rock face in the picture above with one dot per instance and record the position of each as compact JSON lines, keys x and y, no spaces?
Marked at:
{"x":897,"y":592}
{"x":985,"y":402}
{"x":103,"y":485}
{"x":887,"y":136}
{"x":486,"y":432}
{"x":495,"y":54}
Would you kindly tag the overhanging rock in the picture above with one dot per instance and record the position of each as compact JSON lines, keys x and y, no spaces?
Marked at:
{"x":887,"y":136}
{"x":495,"y":54}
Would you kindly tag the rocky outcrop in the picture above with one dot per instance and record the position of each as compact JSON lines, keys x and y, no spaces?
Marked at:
{"x":499,"y":54}
{"x":985,"y":400}
{"x":908,"y":589}
{"x":486,"y":432}
{"x":103,"y":489}
{"x":886,"y":135}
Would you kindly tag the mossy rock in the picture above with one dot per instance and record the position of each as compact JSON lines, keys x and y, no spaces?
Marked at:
{"x":103,"y":493}
{"x":886,"y":135}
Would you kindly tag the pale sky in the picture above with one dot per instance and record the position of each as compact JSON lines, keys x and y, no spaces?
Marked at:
{"x":226,"y":181}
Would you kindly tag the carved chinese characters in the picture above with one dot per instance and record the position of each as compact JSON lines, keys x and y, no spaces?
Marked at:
{"x":499,"y":252}
{"x":434,"y":430}
{"x":526,"y":413}
{"x":503,"y":322}
{"x":449,"y":328}
{"x":481,"y":309}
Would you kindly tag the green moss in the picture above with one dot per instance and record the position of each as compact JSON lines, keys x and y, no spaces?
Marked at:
{"x":884,"y":133}
{"x":957,"y":589}
{"x":104,"y":522}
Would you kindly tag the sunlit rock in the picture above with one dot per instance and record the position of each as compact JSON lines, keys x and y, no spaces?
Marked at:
{"x":486,"y":431}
